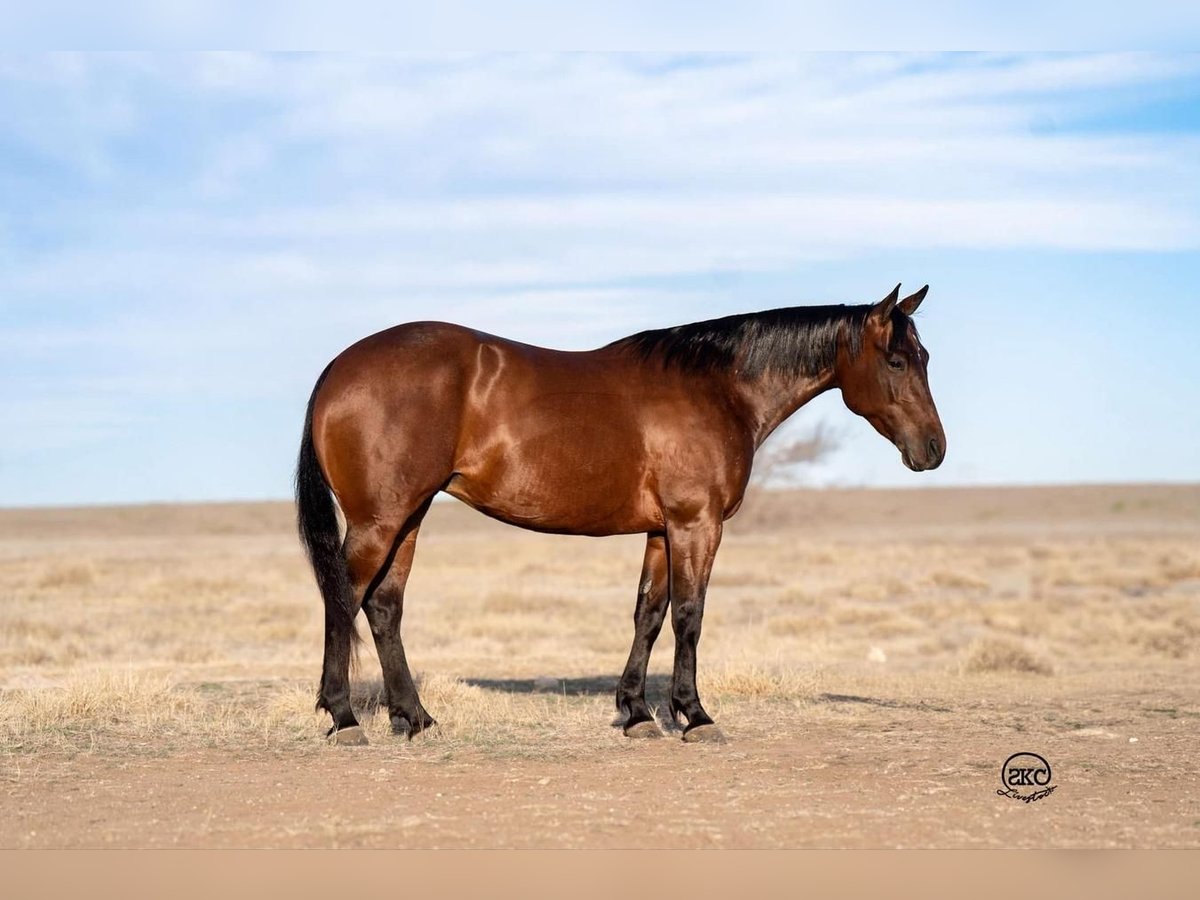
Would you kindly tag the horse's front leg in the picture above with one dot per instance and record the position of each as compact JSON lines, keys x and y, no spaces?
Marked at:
{"x":648,"y":617}
{"x":691,"y":548}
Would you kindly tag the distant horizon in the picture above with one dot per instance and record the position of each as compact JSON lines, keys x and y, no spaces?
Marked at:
{"x":442,"y":497}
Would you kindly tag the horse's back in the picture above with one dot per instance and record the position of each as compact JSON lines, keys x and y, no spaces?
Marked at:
{"x":485,"y":371}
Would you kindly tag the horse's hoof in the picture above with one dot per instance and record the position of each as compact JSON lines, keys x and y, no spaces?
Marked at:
{"x":647,"y":728}
{"x":401,"y":727}
{"x":349,"y":737}
{"x":706,"y":734}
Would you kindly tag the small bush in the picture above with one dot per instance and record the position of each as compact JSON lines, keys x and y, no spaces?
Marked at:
{"x":1001,"y":655}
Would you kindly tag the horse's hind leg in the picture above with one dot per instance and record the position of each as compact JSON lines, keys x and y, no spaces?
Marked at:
{"x":384,"y":609}
{"x":334,"y":692}
{"x":369,"y":549}
{"x":648,"y":618}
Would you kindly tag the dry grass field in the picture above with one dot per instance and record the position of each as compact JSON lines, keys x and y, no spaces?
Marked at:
{"x":872,"y":656}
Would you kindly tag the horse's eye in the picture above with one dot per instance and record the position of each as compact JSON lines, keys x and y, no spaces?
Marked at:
{"x":896,"y":362}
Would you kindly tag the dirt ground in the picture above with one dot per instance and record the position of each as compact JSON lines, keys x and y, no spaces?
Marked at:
{"x":873,"y":658}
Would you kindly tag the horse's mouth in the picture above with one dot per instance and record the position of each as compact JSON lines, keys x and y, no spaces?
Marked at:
{"x":932,"y":461}
{"x":908,"y":460}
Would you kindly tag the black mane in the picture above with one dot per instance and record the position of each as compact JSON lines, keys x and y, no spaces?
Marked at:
{"x":793,"y":341}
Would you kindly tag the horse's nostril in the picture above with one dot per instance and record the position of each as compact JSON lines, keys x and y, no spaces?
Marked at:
{"x":934,"y":447}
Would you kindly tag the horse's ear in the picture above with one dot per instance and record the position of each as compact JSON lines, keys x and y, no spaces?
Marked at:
{"x":909,"y":304}
{"x":883,"y":309}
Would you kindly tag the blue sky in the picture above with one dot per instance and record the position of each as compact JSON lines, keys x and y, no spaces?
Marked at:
{"x":185,"y":240}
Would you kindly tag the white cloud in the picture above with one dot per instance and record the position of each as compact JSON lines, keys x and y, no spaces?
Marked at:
{"x":348,"y":175}
{"x":331,"y":137}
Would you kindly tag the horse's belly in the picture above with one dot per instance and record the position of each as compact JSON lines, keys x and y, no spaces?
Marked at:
{"x":581,"y":479}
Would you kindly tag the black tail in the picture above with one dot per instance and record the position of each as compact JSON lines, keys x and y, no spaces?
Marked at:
{"x":316,"y":518}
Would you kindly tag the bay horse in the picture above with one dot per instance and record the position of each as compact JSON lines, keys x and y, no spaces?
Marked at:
{"x":654,"y":433}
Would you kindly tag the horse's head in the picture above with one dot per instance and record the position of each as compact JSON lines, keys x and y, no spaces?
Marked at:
{"x":886,"y":382}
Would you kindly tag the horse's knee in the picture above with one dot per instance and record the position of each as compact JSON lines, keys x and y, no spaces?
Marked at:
{"x":687,"y":614}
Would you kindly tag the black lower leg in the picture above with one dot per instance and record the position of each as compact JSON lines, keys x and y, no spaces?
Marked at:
{"x":384,"y":611}
{"x":631,"y":691}
{"x":686,"y":617}
{"x":334,"y":693}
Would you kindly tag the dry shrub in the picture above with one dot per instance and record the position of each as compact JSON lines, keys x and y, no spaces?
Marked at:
{"x":1181,"y":570}
{"x":958,"y":580}
{"x":870,"y":591}
{"x":287,"y":717}
{"x":1002,"y":655}
{"x":61,"y":576}
{"x":934,"y":612}
{"x":1172,"y":639}
{"x":124,"y":710}
{"x":103,"y":701}
{"x":753,"y":683}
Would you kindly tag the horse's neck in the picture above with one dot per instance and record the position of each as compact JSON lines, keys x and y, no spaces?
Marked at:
{"x":769,"y":400}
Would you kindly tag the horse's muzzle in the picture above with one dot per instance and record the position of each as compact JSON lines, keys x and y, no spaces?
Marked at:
{"x":921,"y":458}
